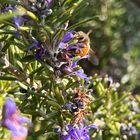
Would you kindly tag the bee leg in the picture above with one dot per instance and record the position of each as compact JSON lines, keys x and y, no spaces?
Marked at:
{"x":80,"y":45}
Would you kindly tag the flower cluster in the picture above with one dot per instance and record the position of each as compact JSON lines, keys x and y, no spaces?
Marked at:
{"x":75,"y":132}
{"x":64,"y":56}
{"x":62,"y":53}
{"x":40,"y":7}
{"x":128,"y":130}
{"x":73,"y":47}
{"x":17,"y":20}
{"x":13,"y":121}
{"x":78,"y":107}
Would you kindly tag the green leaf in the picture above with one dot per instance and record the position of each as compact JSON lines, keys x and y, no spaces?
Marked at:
{"x":100,"y":89}
{"x":28,"y":58}
{"x":48,"y":67}
{"x":8,"y":2}
{"x":3,"y":38}
{"x":136,"y":116}
{"x":7,"y":78}
{"x":125,"y":95}
{"x":6,"y":31}
{"x":82,"y":22}
{"x":68,"y":2}
{"x":36,"y":70}
{"x":20,"y":45}
{"x":59,"y":96}
{"x":32,"y":15}
{"x":54,"y":104}
{"x":6,"y":46}
{"x":9,"y":15}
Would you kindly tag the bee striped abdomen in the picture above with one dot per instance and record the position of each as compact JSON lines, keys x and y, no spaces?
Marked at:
{"x":83,"y":50}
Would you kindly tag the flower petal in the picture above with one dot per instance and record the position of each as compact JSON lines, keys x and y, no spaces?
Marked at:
{"x":67,"y":37}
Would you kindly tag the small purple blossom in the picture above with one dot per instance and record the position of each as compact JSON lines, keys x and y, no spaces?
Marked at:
{"x":64,"y":58}
{"x":49,"y":1}
{"x":13,"y":121}
{"x":5,"y":9}
{"x":17,"y":20}
{"x":77,"y":133}
{"x":69,"y":53}
{"x":79,"y":72}
{"x":40,"y":51}
{"x":129,"y":130}
{"x":67,"y":37}
{"x":41,"y":8}
{"x":61,"y":45}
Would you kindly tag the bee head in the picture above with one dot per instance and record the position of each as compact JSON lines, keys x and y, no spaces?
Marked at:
{"x":82,"y":37}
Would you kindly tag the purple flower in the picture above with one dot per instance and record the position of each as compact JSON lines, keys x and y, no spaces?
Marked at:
{"x":17,"y":20}
{"x":62,"y":45}
{"x":5,"y":9}
{"x":49,"y":1}
{"x":69,"y":52}
{"x":41,"y":8}
{"x":67,"y":37}
{"x":77,"y":133}
{"x":13,"y":121}
{"x":40,"y":51}
{"x":109,"y":81}
{"x":79,"y":72}
{"x":64,"y":58}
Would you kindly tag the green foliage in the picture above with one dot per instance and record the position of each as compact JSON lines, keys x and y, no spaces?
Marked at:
{"x":42,"y":94}
{"x":115,"y":39}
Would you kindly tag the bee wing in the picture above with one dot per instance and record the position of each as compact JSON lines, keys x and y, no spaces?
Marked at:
{"x":93,"y":58}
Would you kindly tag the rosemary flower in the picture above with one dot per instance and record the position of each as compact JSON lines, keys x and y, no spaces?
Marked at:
{"x":13,"y":121}
{"x":17,"y":20}
{"x":75,"y":132}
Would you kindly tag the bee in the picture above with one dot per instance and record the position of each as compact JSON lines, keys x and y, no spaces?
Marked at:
{"x":83,"y":43}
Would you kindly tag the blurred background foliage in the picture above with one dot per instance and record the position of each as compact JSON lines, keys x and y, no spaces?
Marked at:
{"x":115,"y":39}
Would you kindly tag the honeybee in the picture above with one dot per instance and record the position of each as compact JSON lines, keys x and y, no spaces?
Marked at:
{"x":84,"y":45}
